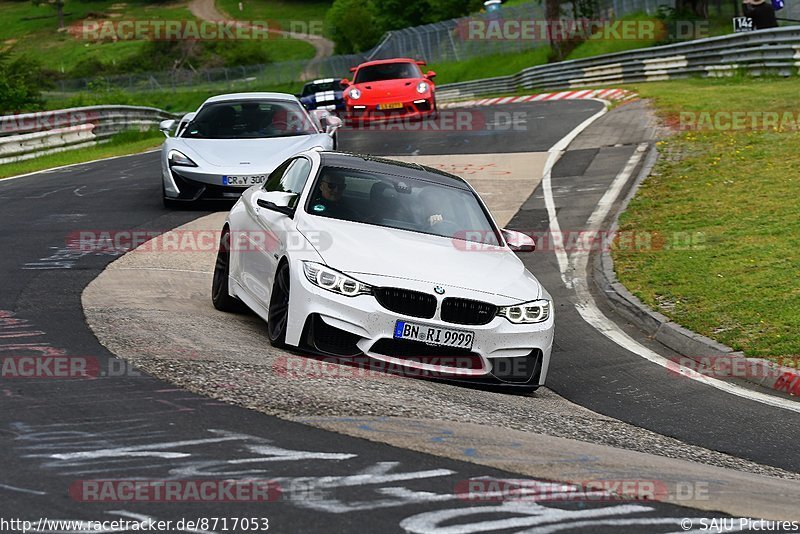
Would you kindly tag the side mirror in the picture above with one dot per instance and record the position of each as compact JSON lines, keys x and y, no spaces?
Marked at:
{"x":166,"y":126}
{"x":277,"y":201}
{"x":344,"y":83}
{"x":326,"y":121}
{"x":431,"y":75}
{"x":332,"y":124}
{"x":518,"y":242}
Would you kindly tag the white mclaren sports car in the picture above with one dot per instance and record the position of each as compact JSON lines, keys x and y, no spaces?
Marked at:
{"x":235,"y":141}
{"x":346,"y":255}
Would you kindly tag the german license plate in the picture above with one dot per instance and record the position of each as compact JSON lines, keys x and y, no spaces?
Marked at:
{"x":433,"y":335}
{"x":392,"y":105}
{"x":244,"y":180}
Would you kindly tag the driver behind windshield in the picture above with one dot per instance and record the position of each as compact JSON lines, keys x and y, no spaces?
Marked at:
{"x":254,"y":118}
{"x":327,"y":200}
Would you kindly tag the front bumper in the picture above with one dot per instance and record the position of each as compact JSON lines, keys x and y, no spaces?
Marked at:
{"x":193,"y":183}
{"x":342,"y":326}
{"x":363,"y":113}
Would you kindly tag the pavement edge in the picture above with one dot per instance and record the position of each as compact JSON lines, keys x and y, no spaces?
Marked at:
{"x":692,"y":345}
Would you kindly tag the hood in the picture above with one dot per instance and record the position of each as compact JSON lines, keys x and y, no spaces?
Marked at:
{"x":260,"y":153}
{"x":366,"y":249}
{"x":392,"y":89}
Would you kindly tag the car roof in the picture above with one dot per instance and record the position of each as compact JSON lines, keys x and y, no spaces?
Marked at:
{"x":365,"y":162}
{"x":320,"y":81}
{"x":230,"y":97}
{"x":387,"y":61}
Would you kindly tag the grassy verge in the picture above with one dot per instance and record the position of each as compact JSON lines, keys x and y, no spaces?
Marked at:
{"x":175,"y":102}
{"x":725,"y":204}
{"x":504,"y":64}
{"x":119,"y":145}
{"x":32,"y":30}
{"x":488,"y":66}
{"x":285,"y":12}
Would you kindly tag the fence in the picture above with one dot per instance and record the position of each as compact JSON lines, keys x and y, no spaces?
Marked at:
{"x":442,"y":41}
{"x":437,"y":42}
{"x":756,"y":53}
{"x":30,"y":135}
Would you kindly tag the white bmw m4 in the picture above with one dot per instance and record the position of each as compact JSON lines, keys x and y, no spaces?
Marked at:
{"x":346,"y":255}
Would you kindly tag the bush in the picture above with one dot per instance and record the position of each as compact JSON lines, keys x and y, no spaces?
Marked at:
{"x":353,"y":25}
{"x":358,"y":25}
{"x":21,"y":82}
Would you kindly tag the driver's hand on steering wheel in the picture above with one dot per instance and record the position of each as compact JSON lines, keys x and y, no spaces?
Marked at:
{"x":433,"y":220}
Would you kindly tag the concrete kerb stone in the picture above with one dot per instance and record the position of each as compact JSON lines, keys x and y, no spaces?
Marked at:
{"x":692,"y":345}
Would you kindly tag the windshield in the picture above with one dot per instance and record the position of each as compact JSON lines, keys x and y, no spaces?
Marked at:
{"x":387,"y":71}
{"x":319,"y":87}
{"x":251,"y":119}
{"x":400,"y":202}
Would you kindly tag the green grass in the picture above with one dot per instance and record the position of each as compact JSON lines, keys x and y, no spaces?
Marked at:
{"x":488,"y":66}
{"x":61,"y":51}
{"x":302,"y":12}
{"x":600,"y":44}
{"x":729,"y":201}
{"x":121,"y":144}
{"x":175,"y":102}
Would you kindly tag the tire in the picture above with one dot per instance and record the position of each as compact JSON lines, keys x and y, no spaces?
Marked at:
{"x":220,"y":294}
{"x":278,"y":314}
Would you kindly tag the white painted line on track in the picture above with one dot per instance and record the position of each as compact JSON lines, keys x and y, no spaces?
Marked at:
{"x":574,"y":274}
{"x":555,"y":153}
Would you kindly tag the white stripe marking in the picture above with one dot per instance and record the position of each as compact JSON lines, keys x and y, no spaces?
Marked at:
{"x":587,"y":307}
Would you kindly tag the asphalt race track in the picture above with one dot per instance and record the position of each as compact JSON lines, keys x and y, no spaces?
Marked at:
{"x":58,"y":432}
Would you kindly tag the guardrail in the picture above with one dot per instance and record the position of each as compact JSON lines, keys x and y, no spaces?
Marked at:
{"x":775,"y":51}
{"x":30,"y":135}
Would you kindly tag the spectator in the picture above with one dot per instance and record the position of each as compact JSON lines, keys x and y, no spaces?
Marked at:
{"x":761,"y":12}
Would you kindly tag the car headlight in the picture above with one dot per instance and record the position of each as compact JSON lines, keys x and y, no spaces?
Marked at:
{"x":180,"y":159}
{"x":536,"y":311}
{"x":423,"y":87}
{"x":332,"y":280}
{"x":355,"y":94}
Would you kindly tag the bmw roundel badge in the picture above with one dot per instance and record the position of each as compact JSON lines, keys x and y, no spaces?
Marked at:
{"x":439,"y":290}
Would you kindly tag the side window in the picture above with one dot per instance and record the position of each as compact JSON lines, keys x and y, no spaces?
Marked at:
{"x":296,"y":175}
{"x":290,"y":177}
{"x":273,"y":182}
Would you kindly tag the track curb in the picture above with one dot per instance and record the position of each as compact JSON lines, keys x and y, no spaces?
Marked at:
{"x":585,"y":94}
{"x":699,"y":352}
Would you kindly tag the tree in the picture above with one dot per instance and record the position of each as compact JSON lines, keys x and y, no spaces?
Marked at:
{"x":58,"y":5}
{"x":353,"y":25}
{"x":21,"y":81}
